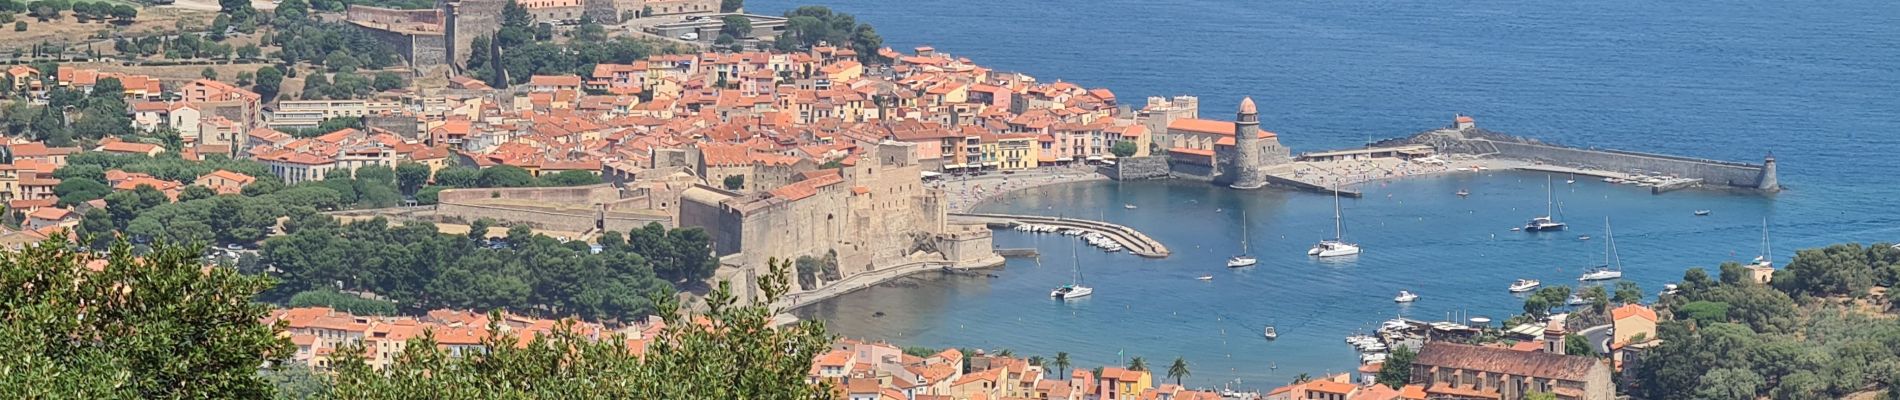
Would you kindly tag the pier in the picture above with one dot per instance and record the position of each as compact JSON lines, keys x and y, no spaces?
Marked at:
{"x":1136,"y":242}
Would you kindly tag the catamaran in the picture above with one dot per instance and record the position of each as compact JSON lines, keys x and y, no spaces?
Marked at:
{"x":1405,"y":297}
{"x":1546,"y":222}
{"x":1337,"y":246}
{"x":1243,"y":259}
{"x":1612,"y":267}
{"x":1074,"y":289}
{"x":1525,"y":285}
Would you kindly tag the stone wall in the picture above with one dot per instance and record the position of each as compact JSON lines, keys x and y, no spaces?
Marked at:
{"x":1709,"y":171}
{"x":1140,"y":168}
{"x":391,"y":16}
{"x":467,"y":19}
{"x":591,"y":194}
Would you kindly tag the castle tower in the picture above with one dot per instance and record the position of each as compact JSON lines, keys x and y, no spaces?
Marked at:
{"x":1767,"y":181}
{"x":1247,"y":147}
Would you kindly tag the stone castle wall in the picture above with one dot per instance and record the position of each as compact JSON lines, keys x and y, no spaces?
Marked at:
{"x":395,"y":17}
{"x":1150,"y":167}
{"x":581,"y":195}
{"x":1709,"y":171}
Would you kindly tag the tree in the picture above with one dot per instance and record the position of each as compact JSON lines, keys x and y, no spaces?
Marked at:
{"x":505,"y":176}
{"x":295,"y":381}
{"x":158,"y":327}
{"x":1575,"y":344}
{"x":209,"y":73}
{"x":349,"y":303}
{"x":1397,"y":370}
{"x":1137,"y":364}
{"x":735,"y":182}
{"x":387,"y":81}
{"x":1062,"y":364}
{"x":458,"y":177}
{"x":195,"y":192}
{"x":79,"y":190}
{"x":97,"y":226}
{"x":124,"y":13}
{"x":1628,"y":292}
{"x":571,"y":178}
{"x":1124,"y":149}
{"x":1178,"y":370}
{"x":410,"y":176}
{"x":730,"y":6}
{"x":1705,"y":312}
{"x":268,"y":80}
{"x":249,"y":51}
{"x":1729,"y":383}
{"x":736,"y":26}
{"x":736,"y":355}
{"x":1302,"y":378}
{"x":1540,"y":396}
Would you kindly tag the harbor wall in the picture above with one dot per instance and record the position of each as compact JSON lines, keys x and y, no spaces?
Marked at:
{"x":1150,"y":167}
{"x":1709,"y":171}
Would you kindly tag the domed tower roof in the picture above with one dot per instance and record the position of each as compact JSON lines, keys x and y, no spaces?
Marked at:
{"x":1247,"y":107}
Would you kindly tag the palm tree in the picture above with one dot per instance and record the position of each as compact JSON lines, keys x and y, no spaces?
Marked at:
{"x":1035,"y":360}
{"x":1178,"y":370}
{"x":1062,"y":364}
{"x":1302,"y":378}
{"x":1137,"y":364}
{"x":1005,"y":353}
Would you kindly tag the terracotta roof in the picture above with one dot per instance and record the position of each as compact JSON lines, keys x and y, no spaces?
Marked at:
{"x":1488,"y":359}
{"x":1633,"y":310}
{"x":806,"y":188}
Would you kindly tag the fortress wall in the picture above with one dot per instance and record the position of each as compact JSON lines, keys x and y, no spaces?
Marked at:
{"x":576,"y":195}
{"x":1709,"y":171}
{"x":391,"y":16}
{"x":1141,"y":167}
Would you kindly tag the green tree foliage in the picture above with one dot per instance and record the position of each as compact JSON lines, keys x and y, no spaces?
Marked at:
{"x":458,"y":177}
{"x":734,"y":182}
{"x":570,"y":178}
{"x":1397,"y":370}
{"x":679,"y":255}
{"x":1539,"y":303}
{"x":96,"y":224}
{"x":127,"y":205}
{"x":340,"y":301}
{"x":410,"y":176}
{"x":1627,"y":292}
{"x":735,"y":355}
{"x":1540,"y":396}
{"x":420,"y":268}
{"x":1124,"y":148}
{"x":165,"y":166}
{"x":1577,"y":345}
{"x":727,"y":6}
{"x":79,"y":190}
{"x":1840,"y":270}
{"x":195,"y":192}
{"x":504,"y":176}
{"x":736,"y":26}
{"x":1137,"y":364}
{"x":295,"y":381}
{"x":810,"y":25}
{"x":1179,"y":370}
{"x":161,"y":327}
{"x":1705,"y":312}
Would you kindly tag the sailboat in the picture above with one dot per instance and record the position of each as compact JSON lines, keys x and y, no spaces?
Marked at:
{"x":1118,"y":193}
{"x":1337,"y":246}
{"x":1074,"y":289}
{"x":1243,"y":259}
{"x":1612,"y":267}
{"x":1572,"y":180}
{"x":1767,"y":258}
{"x":1546,"y":222}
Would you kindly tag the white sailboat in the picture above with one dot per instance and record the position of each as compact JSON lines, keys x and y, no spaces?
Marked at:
{"x":1767,"y":257}
{"x":1243,"y":259}
{"x":1074,"y":289}
{"x":1337,"y":246}
{"x":1548,"y":222}
{"x":1612,"y":267}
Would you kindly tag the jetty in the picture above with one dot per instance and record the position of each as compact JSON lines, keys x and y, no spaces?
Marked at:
{"x":1137,"y":243}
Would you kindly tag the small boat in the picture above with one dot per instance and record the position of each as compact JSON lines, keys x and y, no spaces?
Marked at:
{"x":1405,"y":297}
{"x":1242,"y":259}
{"x":1515,"y":229}
{"x":1463,"y":193}
{"x":1547,"y":222}
{"x":1074,"y":289}
{"x":1525,"y":285}
{"x":1701,"y":213}
{"x":879,"y":314}
{"x":1600,"y":274}
{"x":1129,"y":206}
{"x":1583,"y":237}
{"x":1270,"y":333}
{"x":1206,"y":277}
{"x":1576,"y":300}
{"x":1612,"y":267}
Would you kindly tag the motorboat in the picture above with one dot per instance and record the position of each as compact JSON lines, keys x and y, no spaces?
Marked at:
{"x":1405,"y":297}
{"x":1583,"y":237}
{"x":1701,"y":213}
{"x":1547,"y":222}
{"x":1206,"y":277}
{"x":1337,"y":246}
{"x":1525,"y":285}
{"x":1463,"y":193}
{"x":1269,"y":333}
{"x":1129,"y":206}
{"x":1612,"y":267}
{"x":1241,"y":261}
{"x":1576,"y":300}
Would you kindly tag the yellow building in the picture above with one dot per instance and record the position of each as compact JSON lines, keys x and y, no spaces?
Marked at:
{"x":1121,"y":383}
{"x":1011,"y":152}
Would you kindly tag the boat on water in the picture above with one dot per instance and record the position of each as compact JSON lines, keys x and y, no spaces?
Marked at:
{"x":1548,"y":221}
{"x":1612,"y":267}
{"x":1525,"y":285}
{"x":1405,"y":297}
{"x":1129,"y":206}
{"x":1270,"y":333}
{"x":1074,"y":289}
{"x":1701,"y":213}
{"x":1576,"y":300}
{"x":1337,"y":246}
{"x":1206,"y":277}
{"x":1766,"y":258}
{"x":1583,"y":237}
{"x":1242,"y":259}
{"x":1463,"y":193}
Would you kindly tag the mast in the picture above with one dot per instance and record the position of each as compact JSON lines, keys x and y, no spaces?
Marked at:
{"x":1243,"y":231}
{"x":1550,"y":199}
{"x":1077,"y":265}
{"x":1609,"y":247}
{"x":1339,"y":230}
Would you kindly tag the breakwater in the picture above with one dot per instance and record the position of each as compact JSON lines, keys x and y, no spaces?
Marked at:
{"x":1477,"y":142}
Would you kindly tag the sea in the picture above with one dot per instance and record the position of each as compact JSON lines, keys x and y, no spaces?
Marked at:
{"x":1816,"y":84}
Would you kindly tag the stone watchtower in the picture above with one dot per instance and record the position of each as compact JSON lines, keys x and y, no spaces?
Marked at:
{"x":1767,"y":181}
{"x":1247,"y":148}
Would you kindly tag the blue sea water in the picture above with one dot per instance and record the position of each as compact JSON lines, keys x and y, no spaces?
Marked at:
{"x":1816,"y":84}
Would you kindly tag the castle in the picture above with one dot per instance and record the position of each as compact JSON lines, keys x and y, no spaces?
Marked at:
{"x":441,"y":37}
